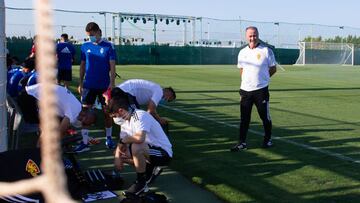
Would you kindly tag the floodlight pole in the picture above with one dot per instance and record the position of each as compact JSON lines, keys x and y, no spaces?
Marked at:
{"x":113,"y":28}
{"x":104,"y":13}
{"x":184,"y":36}
{"x":62,"y":28}
{"x":278,"y":33}
{"x":311,"y":38}
{"x":208,"y":31}
{"x":342,"y":34}
{"x":201,"y":31}
{"x":154,"y":30}
{"x":193,"y":27}
{"x":120,"y":29}
{"x":240,"y":31}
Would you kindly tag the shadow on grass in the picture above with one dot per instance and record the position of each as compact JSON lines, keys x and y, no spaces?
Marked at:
{"x":285,"y":173}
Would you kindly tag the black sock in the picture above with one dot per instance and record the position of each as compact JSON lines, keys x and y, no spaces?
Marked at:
{"x":141,"y":177}
{"x":149,"y":170}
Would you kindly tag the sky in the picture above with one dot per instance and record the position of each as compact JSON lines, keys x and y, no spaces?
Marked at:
{"x":341,"y":16}
{"x":336,"y":12}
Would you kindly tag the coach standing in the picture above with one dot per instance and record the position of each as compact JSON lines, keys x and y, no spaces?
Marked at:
{"x":257,"y":64}
{"x":97,"y":61}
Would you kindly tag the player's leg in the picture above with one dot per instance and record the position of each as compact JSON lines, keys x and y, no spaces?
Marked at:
{"x":140,"y":155}
{"x":158,"y":158}
{"x":67,"y":78}
{"x":108,"y":121}
{"x":262,"y":104}
{"x":246,"y":103}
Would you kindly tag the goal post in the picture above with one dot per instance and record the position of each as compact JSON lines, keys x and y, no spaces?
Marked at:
{"x":325,"y":53}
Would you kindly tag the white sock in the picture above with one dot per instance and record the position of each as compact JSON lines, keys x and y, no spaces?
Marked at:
{"x":108,"y":132}
{"x":85,"y":135}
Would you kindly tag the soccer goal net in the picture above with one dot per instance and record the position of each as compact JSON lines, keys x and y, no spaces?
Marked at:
{"x":325,"y":53}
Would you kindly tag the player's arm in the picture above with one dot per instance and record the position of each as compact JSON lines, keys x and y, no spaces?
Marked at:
{"x":136,"y":138}
{"x":64,"y":125}
{"x":271,"y":62}
{"x":152,"y":110}
{"x":112,"y":74}
{"x":82,"y":74}
{"x":241,"y":71}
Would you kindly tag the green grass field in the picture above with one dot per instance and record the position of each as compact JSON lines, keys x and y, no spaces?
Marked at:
{"x":316,"y":128}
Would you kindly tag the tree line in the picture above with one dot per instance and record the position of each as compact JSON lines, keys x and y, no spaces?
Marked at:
{"x":337,"y":39}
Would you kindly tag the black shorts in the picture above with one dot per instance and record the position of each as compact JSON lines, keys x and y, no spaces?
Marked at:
{"x":158,"y":156}
{"x":29,"y":107}
{"x":89,"y":96}
{"x":64,"y":75}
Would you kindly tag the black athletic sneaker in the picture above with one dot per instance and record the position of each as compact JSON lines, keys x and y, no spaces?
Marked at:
{"x":136,"y":188}
{"x":267,"y":144}
{"x":155,"y":173}
{"x":238,"y":147}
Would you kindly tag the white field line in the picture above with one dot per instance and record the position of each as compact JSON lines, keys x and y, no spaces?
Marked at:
{"x":323,"y":151}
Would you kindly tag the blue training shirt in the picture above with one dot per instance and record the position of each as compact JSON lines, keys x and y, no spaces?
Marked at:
{"x":14,"y":85}
{"x":97,"y":58}
{"x":33,"y":78}
{"x":65,"y":53}
{"x":12,"y":71}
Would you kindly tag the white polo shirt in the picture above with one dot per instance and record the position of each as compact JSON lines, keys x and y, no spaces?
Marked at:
{"x":143,"y":121}
{"x":68,"y":105}
{"x":255,"y":64}
{"x":143,"y":90}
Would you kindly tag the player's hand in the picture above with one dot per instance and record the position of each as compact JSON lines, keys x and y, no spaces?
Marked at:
{"x":80,"y":89}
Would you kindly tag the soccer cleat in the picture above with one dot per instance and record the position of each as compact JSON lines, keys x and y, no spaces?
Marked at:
{"x":155,"y":173}
{"x":238,"y":147}
{"x":267,"y":144}
{"x":110,"y":143}
{"x":81,"y":148}
{"x":93,"y":141}
{"x":136,"y":188}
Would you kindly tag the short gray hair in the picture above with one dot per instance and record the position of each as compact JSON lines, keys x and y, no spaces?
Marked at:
{"x":252,"y":28}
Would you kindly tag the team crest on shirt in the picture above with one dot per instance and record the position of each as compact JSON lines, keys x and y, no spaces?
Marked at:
{"x":258,"y":56}
{"x":102,"y":50}
{"x":32,"y":168}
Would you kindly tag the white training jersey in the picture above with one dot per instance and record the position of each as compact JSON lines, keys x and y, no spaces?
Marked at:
{"x":255,"y":64}
{"x":68,"y":105}
{"x":143,"y":90}
{"x":142,"y":121}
